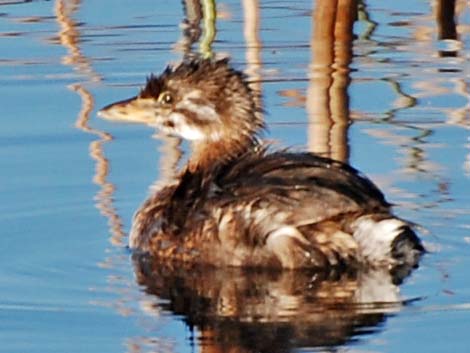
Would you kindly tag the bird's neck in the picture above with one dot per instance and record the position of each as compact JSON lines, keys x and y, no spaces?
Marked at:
{"x":208,"y":155}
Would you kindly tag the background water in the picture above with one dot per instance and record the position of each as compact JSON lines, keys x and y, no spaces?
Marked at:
{"x":393,"y":100}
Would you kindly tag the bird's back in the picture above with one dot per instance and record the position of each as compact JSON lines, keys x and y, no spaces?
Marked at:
{"x":321,"y":187}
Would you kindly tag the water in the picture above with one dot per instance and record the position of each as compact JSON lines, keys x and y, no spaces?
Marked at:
{"x":394,"y":102}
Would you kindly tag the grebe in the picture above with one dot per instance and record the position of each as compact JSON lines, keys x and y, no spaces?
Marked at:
{"x":236,"y":204}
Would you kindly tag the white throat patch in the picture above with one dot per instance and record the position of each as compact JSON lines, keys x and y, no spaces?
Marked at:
{"x":184,"y":130}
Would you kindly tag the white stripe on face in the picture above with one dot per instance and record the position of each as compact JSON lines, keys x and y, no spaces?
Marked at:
{"x":204,"y":111}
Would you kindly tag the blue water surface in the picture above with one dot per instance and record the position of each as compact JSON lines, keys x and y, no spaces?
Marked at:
{"x":70,"y":182}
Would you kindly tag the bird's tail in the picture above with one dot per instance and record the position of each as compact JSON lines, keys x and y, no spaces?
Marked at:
{"x":386,"y":239}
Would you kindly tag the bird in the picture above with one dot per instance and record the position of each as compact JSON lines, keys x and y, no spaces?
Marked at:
{"x":237,"y":202}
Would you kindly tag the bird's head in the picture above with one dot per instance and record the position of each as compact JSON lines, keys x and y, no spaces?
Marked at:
{"x":200,"y":100}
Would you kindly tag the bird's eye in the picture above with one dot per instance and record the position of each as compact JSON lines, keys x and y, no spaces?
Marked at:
{"x":165,"y":98}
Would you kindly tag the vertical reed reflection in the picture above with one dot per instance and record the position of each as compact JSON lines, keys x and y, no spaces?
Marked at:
{"x":69,"y":37}
{"x":327,"y":97}
{"x":251,"y":29}
{"x":191,"y":27}
{"x":447,"y":13}
{"x":446,"y":25}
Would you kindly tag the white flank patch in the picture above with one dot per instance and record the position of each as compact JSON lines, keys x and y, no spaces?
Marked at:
{"x":375,"y":238}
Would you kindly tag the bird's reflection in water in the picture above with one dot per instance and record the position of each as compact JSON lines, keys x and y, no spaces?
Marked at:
{"x":243,"y":310}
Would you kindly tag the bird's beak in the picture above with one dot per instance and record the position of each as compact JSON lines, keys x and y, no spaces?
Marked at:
{"x":133,"y":110}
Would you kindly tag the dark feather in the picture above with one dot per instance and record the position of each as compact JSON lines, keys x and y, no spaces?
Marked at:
{"x":153,"y":88}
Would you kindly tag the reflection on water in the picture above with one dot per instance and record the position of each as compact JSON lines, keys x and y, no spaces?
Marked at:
{"x":327,"y":98}
{"x":69,"y":37}
{"x":191,"y":27}
{"x":238,"y":310}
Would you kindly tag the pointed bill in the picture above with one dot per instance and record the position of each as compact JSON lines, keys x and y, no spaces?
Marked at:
{"x":132,"y":110}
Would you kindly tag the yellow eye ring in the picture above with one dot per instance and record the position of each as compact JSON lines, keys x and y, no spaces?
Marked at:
{"x":165,"y":98}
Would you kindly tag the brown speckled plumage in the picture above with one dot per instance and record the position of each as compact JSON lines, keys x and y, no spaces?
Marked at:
{"x":236,"y":204}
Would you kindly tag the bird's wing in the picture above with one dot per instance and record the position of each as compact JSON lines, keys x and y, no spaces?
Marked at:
{"x":310,"y":187}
